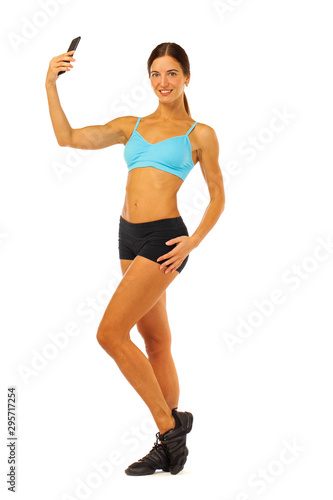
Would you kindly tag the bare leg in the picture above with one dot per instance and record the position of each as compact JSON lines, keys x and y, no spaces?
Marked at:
{"x":166,"y":374}
{"x":138,"y":371}
{"x":155,"y":330}
{"x":138,"y":291}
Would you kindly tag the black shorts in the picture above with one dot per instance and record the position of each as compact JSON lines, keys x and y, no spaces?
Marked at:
{"x":148,"y":238}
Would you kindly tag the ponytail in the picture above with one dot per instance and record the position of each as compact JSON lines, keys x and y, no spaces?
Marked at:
{"x":187,"y":108}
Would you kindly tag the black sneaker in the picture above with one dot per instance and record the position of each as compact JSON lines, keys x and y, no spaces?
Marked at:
{"x":174,"y":440}
{"x":155,"y":459}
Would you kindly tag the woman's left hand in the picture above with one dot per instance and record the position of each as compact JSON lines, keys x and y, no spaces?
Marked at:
{"x":176,"y":255}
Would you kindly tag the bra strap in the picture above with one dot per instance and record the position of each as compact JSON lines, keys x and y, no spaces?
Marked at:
{"x":194,"y":124}
{"x":137,"y":123}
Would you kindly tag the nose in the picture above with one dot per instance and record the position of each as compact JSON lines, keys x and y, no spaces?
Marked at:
{"x":164,"y":81}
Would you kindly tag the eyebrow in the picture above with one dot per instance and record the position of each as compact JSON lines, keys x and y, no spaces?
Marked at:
{"x":154,"y":71}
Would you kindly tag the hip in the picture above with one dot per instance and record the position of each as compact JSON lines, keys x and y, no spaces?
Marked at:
{"x":167,"y":227}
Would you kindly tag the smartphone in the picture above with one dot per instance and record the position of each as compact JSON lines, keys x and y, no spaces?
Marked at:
{"x":73,"y":45}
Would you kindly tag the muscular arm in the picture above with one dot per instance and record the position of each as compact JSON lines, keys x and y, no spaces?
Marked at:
{"x":91,"y":137}
{"x":208,"y":158}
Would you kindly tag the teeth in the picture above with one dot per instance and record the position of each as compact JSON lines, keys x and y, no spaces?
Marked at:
{"x":165,"y":91}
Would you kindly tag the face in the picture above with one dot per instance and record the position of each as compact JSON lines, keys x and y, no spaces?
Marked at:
{"x":166,"y":74}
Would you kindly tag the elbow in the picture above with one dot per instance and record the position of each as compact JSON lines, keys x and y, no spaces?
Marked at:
{"x":64,"y":143}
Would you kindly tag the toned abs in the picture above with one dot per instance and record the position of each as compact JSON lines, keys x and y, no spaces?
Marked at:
{"x":151,"y":194}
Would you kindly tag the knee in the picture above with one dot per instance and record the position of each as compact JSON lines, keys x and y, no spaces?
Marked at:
{"x":157,"y":348}
{"x":109,"y":339}
{"x":157,"y":340}
{"x":101,"y":337}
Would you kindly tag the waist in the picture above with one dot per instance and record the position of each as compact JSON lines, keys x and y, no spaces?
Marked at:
{"x":136,"y":214}
{"x":151,"y":228}
{"x":170,"y":222}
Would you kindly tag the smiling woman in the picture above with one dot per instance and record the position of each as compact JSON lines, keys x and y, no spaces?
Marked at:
{"x":154,"y":243}
{"x":176,"y":54}
{"x":171,"y":72}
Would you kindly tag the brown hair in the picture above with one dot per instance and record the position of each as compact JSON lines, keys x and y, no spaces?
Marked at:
{"x":177,"y":52}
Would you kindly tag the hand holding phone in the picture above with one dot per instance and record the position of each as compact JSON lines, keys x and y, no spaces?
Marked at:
{"x":73,"y":45}
{"x":58,"y":62}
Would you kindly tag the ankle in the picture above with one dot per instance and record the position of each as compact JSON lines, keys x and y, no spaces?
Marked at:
{"x":167,"y":425}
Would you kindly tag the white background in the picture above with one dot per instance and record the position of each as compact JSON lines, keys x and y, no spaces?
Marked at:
{"x":253,"y":391}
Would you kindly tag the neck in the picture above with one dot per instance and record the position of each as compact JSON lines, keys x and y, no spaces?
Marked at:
{"x":171,"y":111}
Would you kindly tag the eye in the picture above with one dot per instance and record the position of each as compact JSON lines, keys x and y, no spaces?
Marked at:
{"x":172,"y":73}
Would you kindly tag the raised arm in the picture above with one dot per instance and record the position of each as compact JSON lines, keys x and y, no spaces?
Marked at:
{"x":91,"y":137}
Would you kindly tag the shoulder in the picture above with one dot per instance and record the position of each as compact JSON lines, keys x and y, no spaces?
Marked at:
{"x":205,"y":132}
{"x":205,"y":137}
{"x":125,"y":124}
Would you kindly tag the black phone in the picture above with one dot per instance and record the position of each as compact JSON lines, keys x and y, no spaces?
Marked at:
{"x":73,"y":45}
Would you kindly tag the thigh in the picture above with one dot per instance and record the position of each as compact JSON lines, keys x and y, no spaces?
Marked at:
{"x":154,"y":325}
{"x":142,"y":285}
{"x":124,"y":264}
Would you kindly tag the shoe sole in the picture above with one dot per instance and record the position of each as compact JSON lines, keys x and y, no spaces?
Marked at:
{"x":133,"y":473}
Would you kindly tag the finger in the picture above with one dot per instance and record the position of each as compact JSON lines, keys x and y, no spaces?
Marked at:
{"x":65,"y":57}
{"x":67,"y":61}
{"x":172,"y":268}
{"x":174,"y":240}
{"x":64,"y":65}
{"x":168,"y":263}
{"x":163,"y":257}
{"x":62,"y":68}
{"x":65,"y":54}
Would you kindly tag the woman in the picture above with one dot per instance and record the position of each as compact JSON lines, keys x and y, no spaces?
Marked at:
{"x":159,"y":157}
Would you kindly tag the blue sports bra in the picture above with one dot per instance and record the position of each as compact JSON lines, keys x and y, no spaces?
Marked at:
{"x":173,"y":155}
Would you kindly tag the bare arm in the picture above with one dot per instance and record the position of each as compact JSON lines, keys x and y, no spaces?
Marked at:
{"x":61,"y":126}
{"x":91,"y":137}
{"x":208,"y":159}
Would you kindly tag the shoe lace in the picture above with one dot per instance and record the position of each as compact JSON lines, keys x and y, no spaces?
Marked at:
{"x":166,"y":451}
{"x":155,"y":447}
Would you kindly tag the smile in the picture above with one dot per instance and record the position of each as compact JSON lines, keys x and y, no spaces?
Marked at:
{"x":165,"y":92}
